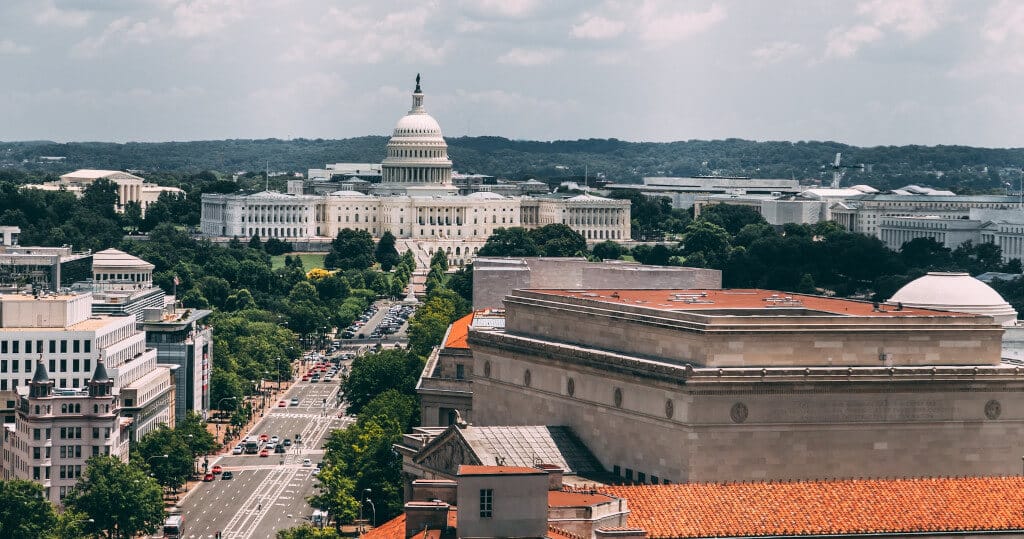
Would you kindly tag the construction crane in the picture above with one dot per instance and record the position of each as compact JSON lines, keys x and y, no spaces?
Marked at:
{"x":838,"y":169}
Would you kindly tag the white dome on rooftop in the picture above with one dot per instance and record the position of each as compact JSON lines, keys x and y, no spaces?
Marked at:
{"x":958,"y":292}
{"x":484,"y":195}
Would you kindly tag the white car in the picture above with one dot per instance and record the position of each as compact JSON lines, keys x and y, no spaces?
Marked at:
{"x":306,"y":463}
{"x":238,"y":450}
{"x":273,"y":439}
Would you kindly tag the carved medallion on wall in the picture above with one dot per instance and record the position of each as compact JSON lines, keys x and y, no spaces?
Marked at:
{"x":570,"y":387}
{"x":739,"y":412}
{"x":618,"y":397}
{"x":527,"y":378}
{"x":670,"y":408}
{"x":487,"y":369}
{"x":993,"y":409}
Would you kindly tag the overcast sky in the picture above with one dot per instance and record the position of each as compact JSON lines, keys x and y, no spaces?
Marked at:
{"x":862,"y":72}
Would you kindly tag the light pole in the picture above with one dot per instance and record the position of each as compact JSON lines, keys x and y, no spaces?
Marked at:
{"x":367,"y":491}
{"x":277,"y":367}
{"x":219,"y":409}
{"x":373,"y":523}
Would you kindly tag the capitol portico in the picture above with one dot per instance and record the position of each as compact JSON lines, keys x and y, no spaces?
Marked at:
{"x":414,"y":200}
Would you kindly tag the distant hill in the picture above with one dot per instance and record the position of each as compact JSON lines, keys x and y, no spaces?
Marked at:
{"x":962,"y":168}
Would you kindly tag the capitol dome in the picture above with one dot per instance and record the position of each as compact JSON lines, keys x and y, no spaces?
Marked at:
{"x":417,"y":154}
{"x":958,"y":292}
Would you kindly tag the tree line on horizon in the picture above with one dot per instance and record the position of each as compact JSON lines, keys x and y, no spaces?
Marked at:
{"x":963,"y":169}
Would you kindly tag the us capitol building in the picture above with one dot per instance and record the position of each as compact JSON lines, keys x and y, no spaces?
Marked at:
{"x":415,"y":200}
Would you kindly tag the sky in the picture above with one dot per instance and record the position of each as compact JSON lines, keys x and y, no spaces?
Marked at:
{"x":862,"y":72}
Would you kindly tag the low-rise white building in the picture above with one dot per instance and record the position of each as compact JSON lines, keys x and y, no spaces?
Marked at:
{"x":130,"y":188}
{"x":415,"y":200}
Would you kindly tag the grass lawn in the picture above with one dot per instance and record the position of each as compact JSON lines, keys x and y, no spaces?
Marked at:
{"x":309,"y":260}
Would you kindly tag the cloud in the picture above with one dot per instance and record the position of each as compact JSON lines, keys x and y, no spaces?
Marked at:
{"x":9,"y":47}
{"x":50,"y":15}
{"x":120,"y":31}
{"x":203,"y":17}
{"x":506,"y":9}
{"x":660,"y":26}
{"x":597,"y":27}
{"x":845,"y":42}
{"x":529,"y":57}
{"x":775,"y":52}
{"x":913,"y":19}
{"x":366,"y":36}
{"x":1002,"y":49}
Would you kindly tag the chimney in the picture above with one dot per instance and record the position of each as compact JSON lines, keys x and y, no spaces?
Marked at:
{"x":425,"y":515}
{"x":555,"y":474}
{"x":620,"y":533}
{"x":426,"y":490}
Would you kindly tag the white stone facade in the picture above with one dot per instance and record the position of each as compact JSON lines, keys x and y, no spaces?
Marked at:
{"x":414,"y":200}
{"x":130,"y":188}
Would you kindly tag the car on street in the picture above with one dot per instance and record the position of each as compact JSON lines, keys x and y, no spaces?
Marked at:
{"x":274,"y":439}
{"x":238,"y":450}
{"x":281,"y":404}
{"x":208,"y":477}
{"x":216,"y":469}
{"x":270,"y":446}
{"x":279,"y":449}
{"x":264,"y":452}
{"x":306,"y":463}
{"x":305,"y":377}
{"x":226,"y":476}
{"x":295,"y":401}
{"x":287,"y":442}
{"x":264,"y":437}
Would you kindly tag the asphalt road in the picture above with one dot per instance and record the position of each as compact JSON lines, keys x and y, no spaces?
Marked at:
{"x":267,"y":494}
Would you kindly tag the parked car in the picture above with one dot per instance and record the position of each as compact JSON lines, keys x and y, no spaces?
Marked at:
{"x":282,"y":404}
{"x":208,"y":477}
{"x":264,"y":452}
{"x":227,"y":476}
{"x":295,"y":401}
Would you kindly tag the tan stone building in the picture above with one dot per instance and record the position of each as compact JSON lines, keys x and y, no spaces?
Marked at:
{"x":722,"y":385}
{"x":130,"y":188}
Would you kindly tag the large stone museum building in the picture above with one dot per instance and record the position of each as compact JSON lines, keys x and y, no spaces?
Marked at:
{"x":415,"y":199}
{"x":723,"y":385}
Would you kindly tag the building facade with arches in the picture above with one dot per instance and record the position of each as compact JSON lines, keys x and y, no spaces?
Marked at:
{"x":415,"y":200}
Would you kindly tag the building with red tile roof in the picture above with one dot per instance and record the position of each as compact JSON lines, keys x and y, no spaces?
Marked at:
{"x":667,"y":385}
{"x":931,"y":507}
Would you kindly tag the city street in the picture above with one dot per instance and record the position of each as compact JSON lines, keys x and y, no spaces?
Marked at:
{"x":267,"y":493}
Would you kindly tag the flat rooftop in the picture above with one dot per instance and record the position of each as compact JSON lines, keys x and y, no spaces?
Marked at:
{"x":744,"y":301}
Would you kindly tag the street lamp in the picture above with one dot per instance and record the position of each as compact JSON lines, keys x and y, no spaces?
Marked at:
{"x":277,"y":367}
{"x":164,"y":456}
{"x":373,"y":523}
{"x":219,"y":409}
{"x":367,"y":491}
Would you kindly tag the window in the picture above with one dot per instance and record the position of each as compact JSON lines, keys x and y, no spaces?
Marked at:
{"x":3,"y":347}
{"x":53,"y":347}
{"x":15,"y":347}
{"x":37,"y":453}
{"x":75,"y":346}
{"x":486,"y":502}
{"x":641,"y":477}
{"x":3,"y":365}
{"x":63,"y":346}
{"x":629,"y":474}
{"x":460,"y":372}
{"x":74,"y":364}
{"x":28,"y":347}
{"x":654,"y":480}
{"x":616,"y":470}
{"x":35,"y":434}
{"x":88,"y":347}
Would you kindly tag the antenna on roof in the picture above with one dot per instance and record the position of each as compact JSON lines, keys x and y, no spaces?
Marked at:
{"x":266,"y":186}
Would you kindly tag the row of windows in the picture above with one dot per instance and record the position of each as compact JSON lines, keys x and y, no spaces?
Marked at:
{"x":641,"y":477}
{"x":77,"y":365}
{"x":16,"y":347}
{"x":61,"y":382}
{"x":137,"y":277}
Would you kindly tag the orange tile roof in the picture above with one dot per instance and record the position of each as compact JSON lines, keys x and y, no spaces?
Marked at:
{"x":832,"y":507}
{"x":558,"y":533}
{"x":392,"y":529}
{"x":459,"y":332}
{"x":561,"y":498}
{"x":739,"y":298}
{"x":468,"y":469}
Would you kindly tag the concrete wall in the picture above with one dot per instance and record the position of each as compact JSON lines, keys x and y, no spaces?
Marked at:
{"x":952,"y":422}
{"x":494,"y":278}
{"x":755,"y":340}
{"x":520,"y":505}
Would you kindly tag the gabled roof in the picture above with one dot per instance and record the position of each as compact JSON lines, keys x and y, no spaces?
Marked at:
{"x":828,"y":508}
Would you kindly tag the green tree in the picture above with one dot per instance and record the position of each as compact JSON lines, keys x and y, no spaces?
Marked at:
{"x":352,"y":249}
{"x":558,"y":240}
{"x":706,"y":238}
{"x":255,"y":243}
{"x":513,"y":241}
{"x":375,"y":373}
{"x":731,"y":217}
{"x":307,"y":531}
{"x":192,"y":430}
{"x":608,"y":250}
{"x":439,"y":261}
{"x":119,"y":497}
{"x":386,"y":254}
{"x":170,"y":471}
{"x":24,"y":511}
{"x":403,"y":408}
{"x":131,"y":219}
